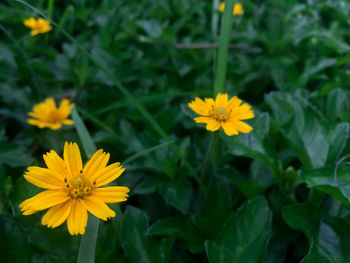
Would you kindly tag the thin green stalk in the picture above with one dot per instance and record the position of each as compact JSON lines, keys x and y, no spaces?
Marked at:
{"x":224,"y":38}
{"x":63,"y":19}
{"x":95,"y":120}
{"x":50,"y":6}
{"x":145,"y":152}
{"x":150,"y":98}
{"x":88,"y":241}
{"x":212,"y":144}
{"x":147,"y":115}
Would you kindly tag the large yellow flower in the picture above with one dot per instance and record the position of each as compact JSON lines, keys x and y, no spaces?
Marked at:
{"x":38,"y":26}
{"x":223,"y":113}
{"x":47,"y":115}
{"x":73,"y":189}
{"x":237,"y":9}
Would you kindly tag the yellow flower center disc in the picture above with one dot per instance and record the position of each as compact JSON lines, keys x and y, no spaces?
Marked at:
{"x":220,"y":114}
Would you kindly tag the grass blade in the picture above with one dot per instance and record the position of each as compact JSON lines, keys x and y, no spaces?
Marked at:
{"x":224,"y":39}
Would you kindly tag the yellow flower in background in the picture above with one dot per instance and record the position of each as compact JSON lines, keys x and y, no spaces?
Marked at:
{"x":47,"y":115}
{"x":237,"y":9}
{"x":223,"y":113}
{"x":74,"y":190}
{"x":38,"y":26}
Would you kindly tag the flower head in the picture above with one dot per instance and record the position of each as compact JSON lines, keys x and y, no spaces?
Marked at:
{"x":223,"y":113}
{"x":237,"y":9}
{"x":74,"y":190}
{"x":38,"y":26}
{"x":47,"y":115}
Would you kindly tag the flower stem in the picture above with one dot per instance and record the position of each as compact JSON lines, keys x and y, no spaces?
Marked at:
{"x":88,"y":241}
{"x":213,"y":141}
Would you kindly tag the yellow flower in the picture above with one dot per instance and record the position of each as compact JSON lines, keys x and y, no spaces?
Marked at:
{"x":237,"y":9}
{"x":223,"y":113}
{"x":47,"y":115}
{"x":38,"y":26}
{"x":73,"y":190}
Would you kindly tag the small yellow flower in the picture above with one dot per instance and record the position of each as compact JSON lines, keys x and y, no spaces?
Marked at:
{"x":47,"y":115}
{"x":237,"y":9}
{"x":38,"y":26}
{"x":223,"y":113}
{"x":74,"y":190}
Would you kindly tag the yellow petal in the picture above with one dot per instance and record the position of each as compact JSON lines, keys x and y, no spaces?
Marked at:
{"x":72,"y":158}
{"x":111,"y":194}
{"x":50,"y":103}
{"x":56,"y":215}
{"x":229,"y":129}
{"x":98,"y":208}
{"x":238,"y":9}
{"x":68,"y":122}
{"x":44,"y":200}
{"x":242,"y":127}
{"x":203,"y":119}
{"x":221,"y":100}
{"x":77,"y":219}
{"x":213,"y":125}
{"x":199,"y":106}
{"x":55,"y":162}
{"x":44,"y":178}
{"x":97,"y":162}
{"x":108,"y":174}
{"x":221,"y":7}
{"x":242,"y":112}
{"x":30,"y":22}
{"x":65,"y":108}
{"x":233,"y":103}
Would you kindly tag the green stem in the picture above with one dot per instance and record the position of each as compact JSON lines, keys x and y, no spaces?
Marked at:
{"x":213,"y":141}
{"x":224,"y":39}
{"x":88,"y":241}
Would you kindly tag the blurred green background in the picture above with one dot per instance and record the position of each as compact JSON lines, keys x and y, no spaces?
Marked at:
{"x":278,"y":194}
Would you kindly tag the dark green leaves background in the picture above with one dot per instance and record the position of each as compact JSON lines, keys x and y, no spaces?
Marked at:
{"x":278,"y":194}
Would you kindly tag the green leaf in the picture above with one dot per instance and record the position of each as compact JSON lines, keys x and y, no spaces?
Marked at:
{"x":255,"y":144}
{"x":300,"y":127}
{"x":179,"y":227}
{"x":139,"y":247}
{"x":337,"y":141}
{"x":325,"y":180}
{"x":245,"y":237}
{"x":329,"y":238}
{"x":177,"y":193}
{"x":216,"y":208}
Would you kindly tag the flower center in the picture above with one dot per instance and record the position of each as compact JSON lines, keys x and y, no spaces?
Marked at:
{"x":53,"y":116}
{"x":220,"y":114}
{"x":78,"y":187}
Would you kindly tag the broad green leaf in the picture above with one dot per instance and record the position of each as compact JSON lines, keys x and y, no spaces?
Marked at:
{"x":177,"y":193}
{"x":139,"y":247}
{"x":337,"y":141}
{"x":246,"y":235}
{"x":255,"y":144}
{"x":325,"y":179}
{"x":301,"y":128}
{"x":329,"y":238}
{"x":181,"y":228}
{"x":215,"y":209}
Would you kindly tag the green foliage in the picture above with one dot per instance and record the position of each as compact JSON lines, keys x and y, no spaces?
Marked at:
{"x":278,"y":194}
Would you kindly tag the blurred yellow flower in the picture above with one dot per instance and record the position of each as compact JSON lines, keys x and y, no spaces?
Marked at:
{"x":47,"y":115}
{"x":223,"y":113}
{"x":237,"y":9}
{"x":38,"y":26}
{"x":74,"y":190}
